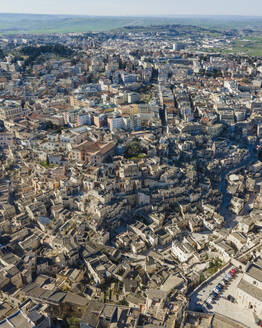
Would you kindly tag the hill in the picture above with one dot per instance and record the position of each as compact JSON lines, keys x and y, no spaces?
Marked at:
{"x":29,"y":23}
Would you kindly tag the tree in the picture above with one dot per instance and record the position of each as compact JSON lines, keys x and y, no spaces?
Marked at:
{"x":134,"y":149}
{"x":35,"y":53}
{"x":73,"y":322}
{"x":214,"y":266}
{"x":123,"y":302}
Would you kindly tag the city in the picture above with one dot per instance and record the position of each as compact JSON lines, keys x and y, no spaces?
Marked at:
{"x":130,"y":179}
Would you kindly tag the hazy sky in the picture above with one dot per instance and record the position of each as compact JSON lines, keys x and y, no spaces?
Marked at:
{"x":134,"y":7}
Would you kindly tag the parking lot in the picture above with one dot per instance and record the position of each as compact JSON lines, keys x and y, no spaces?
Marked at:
{"x":221,"y":304}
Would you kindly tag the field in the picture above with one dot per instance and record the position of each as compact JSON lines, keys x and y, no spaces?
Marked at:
{"x":28,"y":23}
{"x":251,"y":46}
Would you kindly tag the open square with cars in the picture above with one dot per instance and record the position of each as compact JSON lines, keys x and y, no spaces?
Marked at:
{"x":225,"y":301}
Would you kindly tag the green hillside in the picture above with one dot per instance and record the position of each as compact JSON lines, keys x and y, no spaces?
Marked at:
{"x":28,"y":23}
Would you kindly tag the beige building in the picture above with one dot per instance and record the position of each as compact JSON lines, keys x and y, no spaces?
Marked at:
{"x":93,"y":152}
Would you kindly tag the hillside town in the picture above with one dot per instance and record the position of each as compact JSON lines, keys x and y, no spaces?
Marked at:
{"x":130,"y":182}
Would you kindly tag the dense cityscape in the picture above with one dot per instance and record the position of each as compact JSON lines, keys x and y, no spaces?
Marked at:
{"x":130,"y":180}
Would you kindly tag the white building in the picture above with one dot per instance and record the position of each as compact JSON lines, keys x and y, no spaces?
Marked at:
{"x":249,"y":289}
{"x":245,"y":225}
{"x":115,"y":123}
{"x":132,"y":123}
{"x":183,"y":251}
{"x":224,"y":249}
{"x":238,"y":239}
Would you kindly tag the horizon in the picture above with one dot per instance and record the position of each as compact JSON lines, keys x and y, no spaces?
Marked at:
{"x":124,"y":8}
{"x":134,"y":16}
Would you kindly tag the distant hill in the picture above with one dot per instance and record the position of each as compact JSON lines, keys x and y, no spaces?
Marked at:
{"x":29,"y":23}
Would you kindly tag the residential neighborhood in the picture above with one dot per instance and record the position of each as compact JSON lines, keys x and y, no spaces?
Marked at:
{"x":130,"y":181}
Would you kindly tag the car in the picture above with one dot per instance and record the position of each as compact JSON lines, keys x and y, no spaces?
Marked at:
{"x":230,"y":298}
{"x":214,"y":294}
{"x":209,"y":306}
{"x":220,"y":285}
{"x":217,"y":290}
{"x":228,"y":277}
{"x":233,"y":272}
{"x":209,"y":300}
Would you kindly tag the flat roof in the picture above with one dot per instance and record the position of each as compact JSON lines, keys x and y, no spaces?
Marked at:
{"x":255,"y":272}
{"x":250,"y":289}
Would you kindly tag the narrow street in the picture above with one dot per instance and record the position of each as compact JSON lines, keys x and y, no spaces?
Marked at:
{"x":223,"y":186}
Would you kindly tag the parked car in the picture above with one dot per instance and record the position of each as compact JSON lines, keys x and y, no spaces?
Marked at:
{"x":214,"y":294}
{"x":220,"y":285}
{"x":209,"y":300}
{"x":233,"y":272}
{"x":224,"y":282}
{"x":228,"y":276}
{"x":217,"y":290}
{"x":209,"y":306}
{"x":212,"y":297}
{"x":230,"y":298}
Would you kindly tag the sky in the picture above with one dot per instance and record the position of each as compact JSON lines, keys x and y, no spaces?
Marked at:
{"x":134,"y":7}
